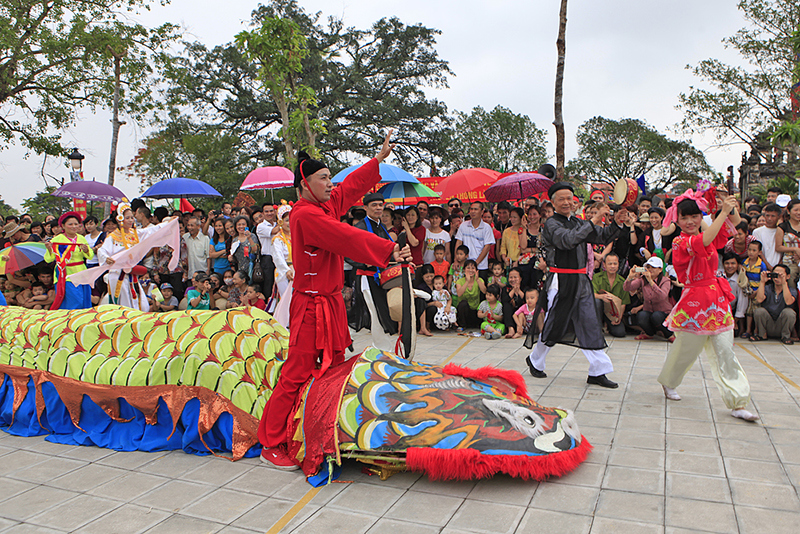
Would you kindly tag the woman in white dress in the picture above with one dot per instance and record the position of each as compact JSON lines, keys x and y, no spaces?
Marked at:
{"x":282,"y":251}
{"x":123,"y":287}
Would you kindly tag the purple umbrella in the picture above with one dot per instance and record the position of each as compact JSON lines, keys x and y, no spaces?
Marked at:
{"x":91,"y":191}
{"x":518,"y":186}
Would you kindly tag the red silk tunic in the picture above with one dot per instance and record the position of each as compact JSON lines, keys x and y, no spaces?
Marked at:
{"x":704,"y":307}
{"x":319,"y":243}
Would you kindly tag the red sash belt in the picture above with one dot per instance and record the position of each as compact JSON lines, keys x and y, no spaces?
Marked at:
{"x":324,"y":316}
{"x":365,"y":272}
{"x":559,"y":270}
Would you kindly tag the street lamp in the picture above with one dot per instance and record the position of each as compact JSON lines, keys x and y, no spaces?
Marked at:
{"x":76,"y":160}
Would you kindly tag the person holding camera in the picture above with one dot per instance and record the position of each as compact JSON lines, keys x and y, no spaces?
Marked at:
{"x":776,"y":316}
{"x":655,"y":288}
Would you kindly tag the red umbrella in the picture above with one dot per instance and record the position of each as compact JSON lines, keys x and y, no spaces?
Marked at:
{"x":467,"y":185}
{"x":518,"y":186}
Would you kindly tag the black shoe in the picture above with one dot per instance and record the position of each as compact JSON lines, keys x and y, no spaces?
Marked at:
{"x":534,"y":371}
{"x":602,"y":381}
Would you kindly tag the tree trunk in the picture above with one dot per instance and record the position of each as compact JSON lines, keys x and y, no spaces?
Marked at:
{"x":115,"y":122}
{"x":561,"y":46}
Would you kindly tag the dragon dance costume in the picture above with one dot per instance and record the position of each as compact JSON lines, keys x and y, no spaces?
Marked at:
{"x":69,"y":259}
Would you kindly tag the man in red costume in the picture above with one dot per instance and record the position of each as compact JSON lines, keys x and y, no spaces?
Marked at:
{"x":319,"y":333}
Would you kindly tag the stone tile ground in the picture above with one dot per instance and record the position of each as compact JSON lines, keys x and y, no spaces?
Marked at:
{"x":656,"y":467}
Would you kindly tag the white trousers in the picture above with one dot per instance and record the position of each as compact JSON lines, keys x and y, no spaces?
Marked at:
{"x":725,"y":368}
{"x":380,"y":339}
{"x":599,"y":362}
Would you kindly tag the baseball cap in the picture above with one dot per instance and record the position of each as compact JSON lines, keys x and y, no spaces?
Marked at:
{"x":783,"y":200}
{"x":655,"y":262}
{"x":166,"y":285}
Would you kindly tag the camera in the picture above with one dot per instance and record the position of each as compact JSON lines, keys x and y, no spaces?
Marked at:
{"x":639,"y":270}
{"x":774,"y":275}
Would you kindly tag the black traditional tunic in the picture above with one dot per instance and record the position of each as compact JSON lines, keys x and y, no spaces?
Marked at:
{"x":572,"y":313}
{"x":359,"y":316}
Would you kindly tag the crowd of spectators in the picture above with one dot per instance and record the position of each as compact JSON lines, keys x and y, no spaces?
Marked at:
{"x":482,"y":265}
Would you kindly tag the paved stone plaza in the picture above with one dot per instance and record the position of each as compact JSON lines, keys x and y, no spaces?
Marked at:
{"x":656,"y":466}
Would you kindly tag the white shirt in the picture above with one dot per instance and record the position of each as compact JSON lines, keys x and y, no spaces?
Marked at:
{"x":431,"y":240}
{"x":475,"y":239}
{"x":197,"y":248}
{"x":767,"y":238}
{"x":264,"y":233}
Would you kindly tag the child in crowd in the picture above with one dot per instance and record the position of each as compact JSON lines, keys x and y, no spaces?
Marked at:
{"x":753,"y":266}
{"x":441,"y":267}
{"x":497,"y":275}
{"x":170,"y":302}
{"x":253,"y":297}
{"x":199,"y":296}
{"x":491,"y":311}
{"x":446,"y":314}
{"x":10,"y":291}
{"x":38,"y":296}
{"x":456,"y":272}
{"x":524,"y":315}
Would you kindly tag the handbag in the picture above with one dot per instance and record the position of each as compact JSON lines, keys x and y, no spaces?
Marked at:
{"x":258,"y":273}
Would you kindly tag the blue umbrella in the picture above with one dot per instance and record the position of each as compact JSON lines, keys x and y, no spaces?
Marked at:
{"x":180,"y":188}
{"x":389,"y":173}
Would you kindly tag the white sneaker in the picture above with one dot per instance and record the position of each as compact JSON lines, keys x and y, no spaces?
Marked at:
{"x":670,"y":393}
{"x":741,"y":413}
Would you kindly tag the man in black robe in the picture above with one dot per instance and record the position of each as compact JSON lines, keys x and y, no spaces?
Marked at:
{"x":568,"y":296}
{"x":368,"y":296}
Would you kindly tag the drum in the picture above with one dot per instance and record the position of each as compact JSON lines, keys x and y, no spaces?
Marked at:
{"x":625,"y":192}
{"x":390,"y":277}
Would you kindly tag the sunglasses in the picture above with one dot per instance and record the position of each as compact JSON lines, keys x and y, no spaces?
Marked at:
{"x":452,"y":205}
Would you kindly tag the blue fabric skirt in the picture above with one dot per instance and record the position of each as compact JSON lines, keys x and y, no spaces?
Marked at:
{"x":76,"y":297}
{"x":97,"y":428}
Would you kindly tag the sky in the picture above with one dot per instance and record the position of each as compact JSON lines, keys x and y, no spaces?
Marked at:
{"x":624,"y":58}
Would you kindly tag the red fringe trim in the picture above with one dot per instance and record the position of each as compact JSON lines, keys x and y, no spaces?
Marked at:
{"x":466,"y":464}
{"x":488,"y":373}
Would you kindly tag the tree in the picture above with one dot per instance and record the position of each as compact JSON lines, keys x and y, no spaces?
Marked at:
{"x":53,"y":61}
{"x":44,"y":203}
{"x":739,"y":103}
{"x":6,"y":210}
{"x":561,"y":47}
{"x":279,"y":47}
{"x":610,"y":150}
{"x":365,"y":82}
{"x":184,"y":149}
{"x":499,"y":139}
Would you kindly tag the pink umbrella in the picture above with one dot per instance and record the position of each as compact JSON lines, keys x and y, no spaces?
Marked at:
{"x":268,"y":178}
{"x":518,"y":186}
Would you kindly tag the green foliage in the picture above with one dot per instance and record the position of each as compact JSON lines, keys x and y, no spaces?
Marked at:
{"x":44,"y":203}
{"x":365,"y":82}
{"x":738,"y":103}
{"x":610,"y":150}
{"x":6,"y":210}
{"x":184,"y":149}
{"x":278,"y":47}
{"x":56,"y":57}
{"x":787,"y":184}
{"x":498,"y":139}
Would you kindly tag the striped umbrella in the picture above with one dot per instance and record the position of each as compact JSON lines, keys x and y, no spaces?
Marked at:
{"x":20,"y":256}
{"x":406,"y":192}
